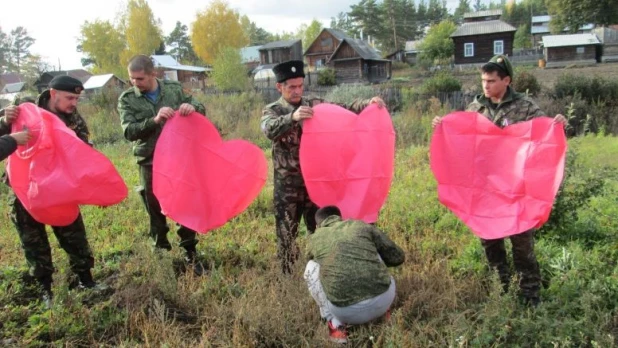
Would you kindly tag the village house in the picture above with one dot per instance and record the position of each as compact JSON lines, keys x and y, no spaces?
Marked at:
{"x":609,"y":39}
{"x":323,"y":47}
{"x":356,"y":61}
{"x":168,"y":68}
{"x":101,"y":83}
{"x":43,"y":82}
{"x":281,"y":51}
{"x":562,"y":50}
{"x":539,"y":27}
{"x":250,"y":57}
{"x":481,"y":37}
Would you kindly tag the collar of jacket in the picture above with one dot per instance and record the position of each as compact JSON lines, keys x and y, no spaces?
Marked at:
{"x":330,"y":220}
{"x":138,"y":93}
{"x":509,"y":96}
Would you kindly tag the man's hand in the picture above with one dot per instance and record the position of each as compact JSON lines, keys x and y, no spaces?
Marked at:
{"x":302,"y":113}
{"x":379,"y":101}
{"x":165,"y":113}
{"x":10,"y":113}
{"x":186,"y":109}
{"x":436,"y":121}
{"x":561,"y":119}
{"x":21,"y":137}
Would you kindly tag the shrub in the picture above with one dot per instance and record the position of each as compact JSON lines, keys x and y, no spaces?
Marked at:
{"x":348,"y":92}
{"x":591,"y":89}
{"x":526,"y":82}
{"x":442,"y":82}
{"x":327,"y":77}
{"x":397,"y":65}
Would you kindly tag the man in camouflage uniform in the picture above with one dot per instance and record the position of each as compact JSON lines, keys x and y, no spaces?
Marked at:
{"x":143,"y":110}
{"x":282,"y":123}
{"x":504,"y":107}
{"x":61,"y":99}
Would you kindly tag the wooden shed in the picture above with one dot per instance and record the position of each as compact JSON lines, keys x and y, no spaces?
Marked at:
{"x":477,"y":42}
{"x":562,"y":50}
{"x":356,"y":61}
{"x":323,"y":47}
{"x":100,"y":83}
{"x":281,"y":51}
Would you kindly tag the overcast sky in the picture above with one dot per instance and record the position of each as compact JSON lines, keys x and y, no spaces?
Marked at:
{"x":55,"y":24}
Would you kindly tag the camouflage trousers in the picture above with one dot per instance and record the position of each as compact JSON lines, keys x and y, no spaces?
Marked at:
{"x":158,"y":223}
{"x":291,"y":203}
{"x":524,"y":260}
{"x":34,"y":241}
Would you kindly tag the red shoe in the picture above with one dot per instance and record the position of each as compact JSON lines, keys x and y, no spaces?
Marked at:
{"x":337,"y":334}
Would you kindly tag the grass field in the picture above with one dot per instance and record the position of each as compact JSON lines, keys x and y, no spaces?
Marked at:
{"x":445,"y":295}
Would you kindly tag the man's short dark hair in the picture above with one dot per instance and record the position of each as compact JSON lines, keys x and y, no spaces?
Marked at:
{"x":141,"y":62}
{"x":324,"y":212}
{"x":491,"y":67}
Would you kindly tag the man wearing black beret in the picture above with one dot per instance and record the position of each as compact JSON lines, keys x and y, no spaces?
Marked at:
{"x":282,"y":124}
{"x":61,"y":99}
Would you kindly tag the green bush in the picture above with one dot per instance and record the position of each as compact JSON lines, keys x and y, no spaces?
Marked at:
{"x":327,"y":77}
{"x":397,"y":65}
{"x":591,"y":89}
{"x":348,"y":92}
{"x":526,"y":82}
{"x":442,"y":82}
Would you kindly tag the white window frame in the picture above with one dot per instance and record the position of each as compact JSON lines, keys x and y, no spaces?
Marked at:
{"x":469,"y":45}
{"x":580,"y":50}
{"x":499,"y":43}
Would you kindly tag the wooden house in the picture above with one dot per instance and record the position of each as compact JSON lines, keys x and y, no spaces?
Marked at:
{"x":250,"y":57}
{"x":477,"y":42}
{"x":167,"y":68}
{"x":539,"y":27}
{"x":562,"y":50}
{"x":101,"y":83}
{"x":609,"y":38}
{"x":356,"y":61}
{"x":411,"y":51}
{"x":479,"y":16}
{"x":281,"y":51}
{"x":323,"y":47}
{"x":43,"y":82}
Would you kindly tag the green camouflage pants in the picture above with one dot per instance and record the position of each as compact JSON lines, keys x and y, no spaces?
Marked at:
{"x":291,"y":203}
{"x":524,"y":260}
{"x":158,"y":223}
{"x":34,"y":241}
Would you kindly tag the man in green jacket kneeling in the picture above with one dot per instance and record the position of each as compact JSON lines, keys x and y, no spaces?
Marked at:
{"x":348,"y":273}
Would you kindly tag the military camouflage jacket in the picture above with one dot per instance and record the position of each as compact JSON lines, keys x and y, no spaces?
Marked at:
{"x":515,"y":107}
{"x":137,"y":114}
{"x":74,"y":121}
{"x":350,"y":269}
{"x":285,"y":134}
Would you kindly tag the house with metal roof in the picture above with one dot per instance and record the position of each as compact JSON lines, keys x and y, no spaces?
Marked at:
{"x":562,"y":50}
{"x":356,"y":61}
{"x":539,"y":27}
{"x":168,"y":68}
{"x":476,"y":42}
{"x":479,"y":16}
{"x":99,"y":83}
{"x":281,"y":51}
{"x":11,"y":90}
{"x":323,"y":47}
{"x":250,"y":56}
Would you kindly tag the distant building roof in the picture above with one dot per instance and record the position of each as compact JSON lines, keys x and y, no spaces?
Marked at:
{"x":361,"y":47}
{"x":486,"y":13}
{"x":98,"y":81}
{"x":250,"y":54}
{"x":279,"y":44}
{"x":482,"y":28}
{"x":168,"y":62}
{"x":13,"y":87}
{"x":412,"y":46}
{"x":11,"y":77}
{"x":570,"y":40}
{"x":541,"y":19}
{"x":340,"y":35}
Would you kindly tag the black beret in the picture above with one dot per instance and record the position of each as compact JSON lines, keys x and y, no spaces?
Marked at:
{"x":289,"y":70}
{"x":66,"y":83}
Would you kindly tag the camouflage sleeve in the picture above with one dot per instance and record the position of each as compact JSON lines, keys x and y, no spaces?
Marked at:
{"x":391,"y":254}
{"x":274,"y":125}
{"x":5,"y":128}
{"x":131,"y":127}
{"x":534,"y":111}
{"x":8,"y":145}
{"x":188,"y":98}
{"x":81,"y":129}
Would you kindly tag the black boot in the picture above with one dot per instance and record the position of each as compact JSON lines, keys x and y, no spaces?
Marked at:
{"x":46,"y":284}
{"x":192,"y":262}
